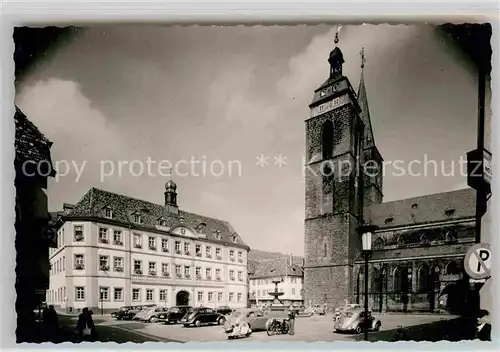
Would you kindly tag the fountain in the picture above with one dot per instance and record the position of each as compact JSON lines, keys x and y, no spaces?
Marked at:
{"x":277,"y":305}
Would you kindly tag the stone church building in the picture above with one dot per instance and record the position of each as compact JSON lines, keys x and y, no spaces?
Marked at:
{"x":420,"y":243}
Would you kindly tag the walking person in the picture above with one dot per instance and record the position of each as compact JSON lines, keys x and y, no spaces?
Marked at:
{"x":85,"y":326}
{"x":50,"y":321}
{"x":291,"y":321}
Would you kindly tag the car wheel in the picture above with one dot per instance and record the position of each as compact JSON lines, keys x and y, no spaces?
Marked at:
{"x":153,"y":319}
{"x":358,"y":329}
{"x":197,"y":323}
{"x":377,"y":327}
{"x":221,"y":321}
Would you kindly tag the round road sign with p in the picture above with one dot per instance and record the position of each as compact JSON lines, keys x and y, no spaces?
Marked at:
{"x":477,"y":262}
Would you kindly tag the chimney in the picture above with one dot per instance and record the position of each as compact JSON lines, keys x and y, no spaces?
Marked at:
{"x":291,"y":259}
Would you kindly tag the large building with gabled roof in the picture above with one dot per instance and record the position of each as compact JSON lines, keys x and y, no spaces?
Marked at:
{"x":116,"y":250}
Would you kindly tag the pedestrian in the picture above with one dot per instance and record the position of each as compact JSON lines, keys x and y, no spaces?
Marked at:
{"x":483,"y":331}
{"x":85,"y":326}
{"x":291,"y":321}
{"x":50,"y":321}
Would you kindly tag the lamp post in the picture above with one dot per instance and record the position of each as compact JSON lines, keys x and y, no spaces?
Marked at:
{"x":366,"y":241}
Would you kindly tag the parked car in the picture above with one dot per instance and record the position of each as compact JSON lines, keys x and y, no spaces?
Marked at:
{"x":173,"y":315}
{"x":201,"y":315}
{"x":338,"y":311}
{"x":354,"y":319}
{"x":143,"y":312}
{"x":121,"y":312}
{"x":255,"y":318}
{"x":151,"y":314}
{"x":224,"y":310}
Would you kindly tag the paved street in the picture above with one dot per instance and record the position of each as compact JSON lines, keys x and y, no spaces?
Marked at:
{"x":317,"y":328}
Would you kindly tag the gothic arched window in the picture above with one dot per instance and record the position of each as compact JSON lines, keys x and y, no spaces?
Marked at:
{"x":327,"y":139}
{"x":424,"y":240}
{"x":378,"y":244}
{"x":422,"y":278}
{"x":397,"y":287}
{"x":451,"y":237}
{"x":452,"y":268}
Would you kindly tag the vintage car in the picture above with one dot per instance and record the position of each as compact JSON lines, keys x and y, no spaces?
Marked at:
{"x":224,"y":310}
{"x":255,"y":318}
{"x":354,"y":319}
{"x":119,"y":314}
{"x":173,"y":315}
{"x":151,"y":314}
{"x":145,"y":310}
{"x":338,"y":311}
{"x":202,"y":315}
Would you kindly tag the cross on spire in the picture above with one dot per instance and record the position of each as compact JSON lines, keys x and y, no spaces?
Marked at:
{"x":363,"y":59}
{"x":336,"y":41}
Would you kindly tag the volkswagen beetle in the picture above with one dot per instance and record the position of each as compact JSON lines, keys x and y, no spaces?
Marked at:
{"x":354,"y":319}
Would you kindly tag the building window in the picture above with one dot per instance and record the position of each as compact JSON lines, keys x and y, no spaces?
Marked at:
{"x":422,"y":278}
{"x":164,"y":269}
{"x":327,"y":139}
{"x":293,"y":280}
{"x":178,"y":247}
{"x":231,"y":255}
{"x":217,"y":274}
{"x":198,"y":272}
{"x":79,"y":293}
{"x":78,"y":233}
{"x":117,"y":237}
{"x":138,"y":267}
{"x":208,"y":273}
{"x":240,"y":257}
{"x":152,"y":268}
{"x":63,"y":261}
{"x":231,"y":296}
{"x":137,"y":241}
{"x":217,"y":235}
{"x":218,"y":253}
{"x":108,"y":212}
{"x":234,"y":239}
{"x":118,"y":264}
{"x":137,"y":218}
{"x":240,"y":295}
{"x":187,"y":248}
{"x":210,"y":296}
{"x":79,"y":262}
{"x":187,"y":271}
{"x":136,"y":294}
{"x":293,"y":291}
{"x":149,"y":294}
{"x":164,"y":245}
{"x":198,"y":250}
{"x":231,"y":275}
{"x":118,"y":294}
{"x":152,"y":243}
{"x":178,"y":272}
{"x":208,"y":252}
{"x":219,"y":296}
{"x":240,"y":276}
{"x":103,"y":235}
{"x":424,"y":240}
{"x":104,"y":262}
{"x":162,"y":222}
{"x":200,"y":296}
{"x":163,"y":295}
{"x":104,"y":293}
{"x":452,"y":268}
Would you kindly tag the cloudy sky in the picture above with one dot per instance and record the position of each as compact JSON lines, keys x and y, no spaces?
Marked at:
{"x":233,"y":93}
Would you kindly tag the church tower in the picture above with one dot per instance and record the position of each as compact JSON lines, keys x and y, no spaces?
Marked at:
{"x":334,"y":186}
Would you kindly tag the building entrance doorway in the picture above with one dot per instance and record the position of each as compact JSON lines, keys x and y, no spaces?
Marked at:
{"x":182,"y":298}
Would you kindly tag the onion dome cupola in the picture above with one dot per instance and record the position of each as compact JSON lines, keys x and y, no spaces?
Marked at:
{"x":171,"y":196}
{"x":336,"y":58}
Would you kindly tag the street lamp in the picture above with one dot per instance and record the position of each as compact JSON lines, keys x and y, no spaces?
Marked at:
{"x":366,"y":242}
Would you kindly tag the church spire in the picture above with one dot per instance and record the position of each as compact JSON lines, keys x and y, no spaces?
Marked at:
{"x":336,"y":58}
{"x":363,"y":103}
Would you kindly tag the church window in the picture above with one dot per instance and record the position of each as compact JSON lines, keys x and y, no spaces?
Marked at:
{"x":422,"y":278}
{"x":327,"y":139}
{"x":397,"y":282}
{"x":452,"y":268}
{"x":424,"y":240}
{"x":401,"y":241}
{"x":378,"y":244}
{"x":451,"y":237}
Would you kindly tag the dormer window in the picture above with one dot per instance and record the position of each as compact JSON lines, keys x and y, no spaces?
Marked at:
{"x":450,"y":212}
{"x":217,"y":235}
{"x":389,"y":220}
{"x":162,"y":222}
{"x":137,"y":218}
{"x":414,"y":206}
{"x":108,"y":212}
{"x":234,"y":239}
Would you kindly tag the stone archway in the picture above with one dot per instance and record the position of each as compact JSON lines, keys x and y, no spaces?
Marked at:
{"x":182,"y":298}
